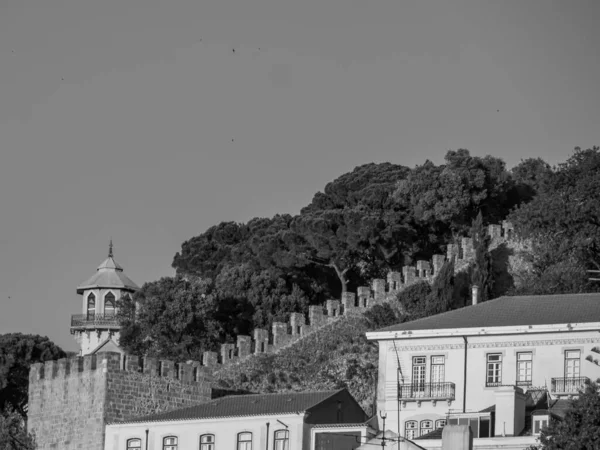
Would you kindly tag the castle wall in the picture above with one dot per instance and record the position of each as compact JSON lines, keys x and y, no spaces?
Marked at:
{"x":284,"y":334}
{"x":71,"y":400}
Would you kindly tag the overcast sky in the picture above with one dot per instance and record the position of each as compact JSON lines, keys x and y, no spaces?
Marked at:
{"x":136,"y":120}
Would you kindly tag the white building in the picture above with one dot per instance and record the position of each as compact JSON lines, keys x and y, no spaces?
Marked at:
{"x":96,"y":328}
{"x":504,"y":367}
{"x":327,"y":420}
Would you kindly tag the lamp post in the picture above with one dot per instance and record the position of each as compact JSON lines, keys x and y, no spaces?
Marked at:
{"x":383,"y":416}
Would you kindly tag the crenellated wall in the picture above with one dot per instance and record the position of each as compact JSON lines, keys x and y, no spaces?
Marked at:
{"x":71,"y":400}
{"x":285,"y":333}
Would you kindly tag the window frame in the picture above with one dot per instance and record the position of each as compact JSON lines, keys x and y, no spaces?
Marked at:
{"x":207,"y":445}
{"x":567,"y":359}
{"x":526,"y":362}
{"x":407,"y":430}
{"x":90,"y":300}
{"x":112,"y":300}
{"x":170,"y":446}
{"x":285,"y":440}
{"x":128,"y":443}
{"x":245,"y":447}
{"x":418,"y":384}
{"x":423,"y":429}
{"x":496,"y":367}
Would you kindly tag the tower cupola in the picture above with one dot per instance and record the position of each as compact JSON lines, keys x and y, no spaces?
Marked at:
{"x":97,"y":326}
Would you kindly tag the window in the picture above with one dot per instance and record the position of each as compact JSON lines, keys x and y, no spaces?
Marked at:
{"x":411,"y":429}
{"x":418,"y":373}
{"x":282,"y":441}
{"x":134,"y":444}
{"x":438,"y":369}
{"x":426,"y":427}
{"x":170,"y":443}
{"x":524,"y":365}
{"x":572,"y":363}
{"x":91,"y":306}
{"x":539,"y":423}
{"x":440,"y":423}
{"x":109,"y":304}
{"x":244,"y":441}
{"x":494,"y":369}
{"x":207,"y":442}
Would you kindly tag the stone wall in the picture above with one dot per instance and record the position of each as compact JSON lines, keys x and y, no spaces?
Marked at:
{"x":71,"y":400}
{"x":285,"y":333}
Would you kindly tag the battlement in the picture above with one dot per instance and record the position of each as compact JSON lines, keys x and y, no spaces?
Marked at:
{"x":283,"y":334}
{"x":113,"y":362}
{"x":78,"y":394}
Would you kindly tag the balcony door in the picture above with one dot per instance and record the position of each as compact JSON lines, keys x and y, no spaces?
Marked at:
{"x":438,"y":369}
{"x":418,"y":375}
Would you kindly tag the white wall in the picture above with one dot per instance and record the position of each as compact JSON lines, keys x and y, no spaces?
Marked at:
{"x":224,"y":429}
{"x":548,"y":362}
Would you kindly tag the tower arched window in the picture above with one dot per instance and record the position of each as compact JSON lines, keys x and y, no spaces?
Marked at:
{"x":109,"y":304}
{"x":91,"y":306}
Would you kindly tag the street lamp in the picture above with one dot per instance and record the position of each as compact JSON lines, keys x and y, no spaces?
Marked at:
{"x":383,"y":416}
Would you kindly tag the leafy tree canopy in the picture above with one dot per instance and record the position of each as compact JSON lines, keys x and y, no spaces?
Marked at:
{"x":173,"y":317}
{"x":563,"y":222}
{"x":580,"y":428}
{"x":13,"y":432}
{"x":17,"y":353}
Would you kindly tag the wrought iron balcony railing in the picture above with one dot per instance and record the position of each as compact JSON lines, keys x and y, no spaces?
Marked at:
{"x":568,"y":385}
{"x":91,"y":320}
{"x":426,"y":391}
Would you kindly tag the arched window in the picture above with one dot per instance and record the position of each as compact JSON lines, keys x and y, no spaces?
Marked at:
{"x":109,"y":304}
{"x":244,"y":441}
{"x":282,"y":440}
{"x":170,"y":443}
{"x":91,"y":306}
{"x":411,"y":429}
{"x":134,"y":444}
{"x":426,"y":427}
{"x":207,"y":442}
{"x":440,"y":423}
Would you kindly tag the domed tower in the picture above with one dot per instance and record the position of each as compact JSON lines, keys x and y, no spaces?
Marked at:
{"x":97,"y":327}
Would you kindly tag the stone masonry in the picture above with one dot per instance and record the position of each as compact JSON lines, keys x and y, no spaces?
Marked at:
{"x":71,"y":400}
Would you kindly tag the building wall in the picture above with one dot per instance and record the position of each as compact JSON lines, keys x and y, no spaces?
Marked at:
{"x":225,"y":431}
{"x":71,"y":400}
{"x":340,"y":408}
{"x":548,"y":362}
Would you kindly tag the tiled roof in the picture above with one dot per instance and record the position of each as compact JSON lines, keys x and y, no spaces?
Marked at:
{"x":560,"y":407}
{"x":243,"y":405}
{"x":511,"y":311}
{"x":108,"y":275}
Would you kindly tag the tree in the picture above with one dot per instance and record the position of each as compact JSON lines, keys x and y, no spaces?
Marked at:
{"x":563,"y":220}
{"x":448,"y":197}
{"x":580,"y":428}
{"x":172,"y":318}
{"x":481,"y":271}
{"x":442,"y":290}
{"x":17,"y":353}
{"x":13,"y":432}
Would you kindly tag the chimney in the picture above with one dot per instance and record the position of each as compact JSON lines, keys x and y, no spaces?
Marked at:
{"x":475,"y":294}
{"x":510,"y":411}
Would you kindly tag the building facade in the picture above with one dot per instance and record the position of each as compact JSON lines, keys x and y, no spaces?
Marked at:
{"x":297,"y":420}
{"x":96,"y":328}
{"x":499,"y":366}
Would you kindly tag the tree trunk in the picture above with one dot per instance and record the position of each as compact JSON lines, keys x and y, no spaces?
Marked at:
{"x":342,"y":276}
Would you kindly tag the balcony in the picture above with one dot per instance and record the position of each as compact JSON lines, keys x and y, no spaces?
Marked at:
{"x":84,"y":321}
{"x":425,"y":391}
{"x":568,"y":386}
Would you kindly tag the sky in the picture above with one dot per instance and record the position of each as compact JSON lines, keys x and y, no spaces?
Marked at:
{"x":136,"y":120}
